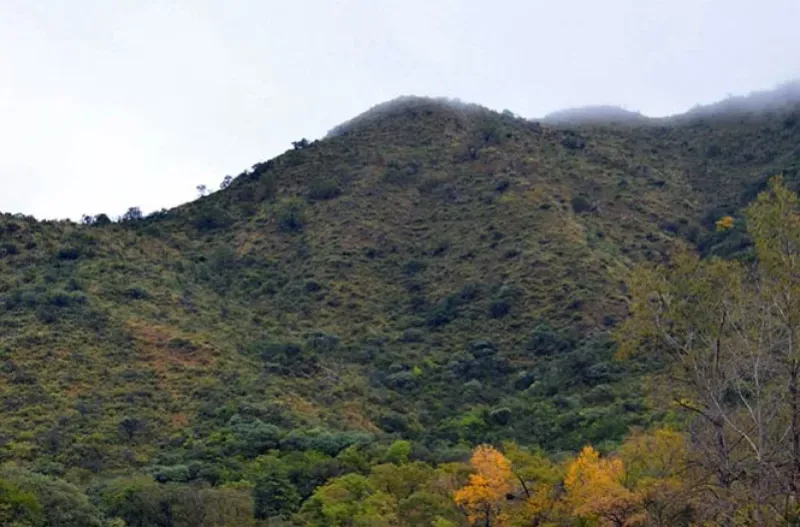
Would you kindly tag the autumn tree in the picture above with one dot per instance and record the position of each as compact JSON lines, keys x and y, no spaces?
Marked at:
{"x":484,"y":497}
{"x":595,"y":489}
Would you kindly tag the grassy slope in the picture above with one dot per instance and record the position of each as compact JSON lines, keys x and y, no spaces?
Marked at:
{"x":423,"y":231}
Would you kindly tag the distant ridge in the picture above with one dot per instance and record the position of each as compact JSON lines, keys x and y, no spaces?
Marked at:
{"x":782,"y":97}
{"x":593,"y":115}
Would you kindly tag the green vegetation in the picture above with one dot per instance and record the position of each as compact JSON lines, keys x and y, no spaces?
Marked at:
{"x":350,"y":319}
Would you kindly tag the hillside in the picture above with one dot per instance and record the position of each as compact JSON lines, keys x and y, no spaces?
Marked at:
{"x":430,"y":271}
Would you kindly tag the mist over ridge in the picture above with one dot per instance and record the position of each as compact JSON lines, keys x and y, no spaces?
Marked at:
{"x":782,"y":97}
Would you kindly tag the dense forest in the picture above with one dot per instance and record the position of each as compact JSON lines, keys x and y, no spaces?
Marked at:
{"x":438,"y":315}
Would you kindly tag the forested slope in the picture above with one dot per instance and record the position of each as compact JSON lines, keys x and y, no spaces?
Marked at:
{"x":431,"y":271}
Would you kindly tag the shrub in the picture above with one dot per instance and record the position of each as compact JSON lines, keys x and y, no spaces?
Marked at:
{"x":291,"y":215}
{"x":323,"y":342}
{"x":500,"y":416}
{"x":324,"y":189}
{"x":499,"y":308}
{"x":60,"y":299}
{"x":175,"y":473}
{"x":255,"y":437}
{"x":398,"y":173}
{"x":210,"y":217}
{"x":68,"y":253}
{"x":580,"y":205}
{"x":546,"y":341}
{"x":9,"y":249}
{"x":137,"y":293}
{"x":573,"y":142}
{"x":412,"y":335}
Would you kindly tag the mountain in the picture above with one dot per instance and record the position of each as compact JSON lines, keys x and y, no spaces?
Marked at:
{"x":593,"y":115}
{"x":431,"y":270}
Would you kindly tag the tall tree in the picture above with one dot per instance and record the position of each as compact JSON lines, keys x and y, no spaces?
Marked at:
{"x":730,"y":331}
{"x":482,"y":499}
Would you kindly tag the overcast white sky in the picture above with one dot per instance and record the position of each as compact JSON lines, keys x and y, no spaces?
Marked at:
{"x":106,"y":104}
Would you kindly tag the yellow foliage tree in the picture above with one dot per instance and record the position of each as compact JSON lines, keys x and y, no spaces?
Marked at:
{"x":482,"y":499}
{"x":595,"y":489}
{"x":725,"y":223}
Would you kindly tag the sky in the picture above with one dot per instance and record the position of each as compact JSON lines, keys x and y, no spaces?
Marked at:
{"x":108,"y":104}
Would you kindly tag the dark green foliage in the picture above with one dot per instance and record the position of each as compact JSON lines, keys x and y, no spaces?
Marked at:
{"x":252,"y":437}
{"x":174,"y":473}
{"x":132,"y":214}
{"x":291,"y":215}
{"x":209,"y":217}
{"x":8,"y":249}
{"x":581,"y":204}
{"x":101,"y":220}
{"x":68,"y":253}
{"x":499,"y":308}
{"x":324,"y":189}
{"x":131,"y":427}
{"x":547,"y":341}
{"x":274,"y":495}
{"x":137,"y":293}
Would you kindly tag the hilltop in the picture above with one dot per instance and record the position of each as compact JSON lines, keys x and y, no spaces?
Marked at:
{"x":594,"y":115}
{"x":431,"y":270}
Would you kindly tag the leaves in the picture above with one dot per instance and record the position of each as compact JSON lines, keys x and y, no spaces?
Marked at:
{"x":483,"y":498}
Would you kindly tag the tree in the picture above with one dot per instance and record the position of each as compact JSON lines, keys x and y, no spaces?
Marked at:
{"x":350,"y":500}
{"x":301,"y":144}
{"x":130,"y":427}
{"x":409,"y":485}
{"x":729,"y":330}
{"x":274,"y":495}
{"x":398,"y":452}
{"x":483,"y":498}
{"x":101,"y":220}
{"x":226,"y":182}
{"x":55,"y":501}
{"x":19,"y":508}
{"x":202,"y":190}
{"x":540,"y":481}
{"x":132,"y":214}
{"x":594,"y":489}
{"x":138,"y":500}
{"x":655,"y":463}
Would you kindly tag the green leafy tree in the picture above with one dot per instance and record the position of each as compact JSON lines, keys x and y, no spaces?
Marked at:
{"x":398,"y":452}
{"x":19,"y":508}
{"x":274,"y":495}
{"x":350,"y":500}
{"x":61,"y":503}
